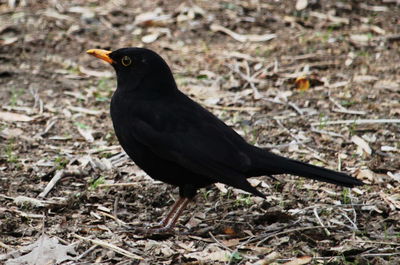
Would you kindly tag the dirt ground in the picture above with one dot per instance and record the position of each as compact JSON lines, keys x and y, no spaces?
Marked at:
{"x":240,"y":59}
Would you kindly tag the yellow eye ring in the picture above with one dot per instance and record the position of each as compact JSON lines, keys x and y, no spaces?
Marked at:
{"x":126,"y":60}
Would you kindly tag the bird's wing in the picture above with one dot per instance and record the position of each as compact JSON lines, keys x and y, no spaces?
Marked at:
{"x":197,"y":141}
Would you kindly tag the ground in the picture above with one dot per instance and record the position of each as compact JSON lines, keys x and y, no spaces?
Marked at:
{"x":239,"y":59}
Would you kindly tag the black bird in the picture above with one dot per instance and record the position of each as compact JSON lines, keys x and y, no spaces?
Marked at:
{"x":175,"y":140}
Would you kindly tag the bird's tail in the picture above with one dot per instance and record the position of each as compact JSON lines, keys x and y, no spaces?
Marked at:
{"x":266,"y":163}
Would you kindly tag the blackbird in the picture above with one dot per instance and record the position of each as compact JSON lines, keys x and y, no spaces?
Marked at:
{"x":175,"y":140}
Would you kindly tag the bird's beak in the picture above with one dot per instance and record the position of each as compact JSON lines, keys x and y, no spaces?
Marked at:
{"x":102,"y":54}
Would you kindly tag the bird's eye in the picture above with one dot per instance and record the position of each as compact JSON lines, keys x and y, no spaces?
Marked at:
{"x":126,"y":61}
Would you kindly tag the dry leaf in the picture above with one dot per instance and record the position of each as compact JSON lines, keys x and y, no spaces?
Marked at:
{"x":211,"y":253}
{"x":385,"y":148}
{"x":9,"y":116}
{"x":360,"y":142}
{"x":299,"y":261}
{"x":386,"y":84}
{"x":254,"y":182}
{"x":393,"y":200}
{"x":366,"y":174}
{"x":8,"y":41}
{"x":359,"y":38}
{"x":229,"y":231}
{"x":395,"y":111}
{"x":222,"y":187}
{"x":195,"y":220}
{"x":302,"y":83}
{"x":8,"y":133}
{"x":231,"y":242}
{"x":24,"y":200}
{"x":358,"y":191}
{"x":45,"y":250}
{"x":301,"y":4}
{"x":150,"y":38}
{"x":395,"y":176}
{"x":86,"y":133}
{"x":271,"y":257}
{"x":334,"y":19}
{"x":154,"y":18}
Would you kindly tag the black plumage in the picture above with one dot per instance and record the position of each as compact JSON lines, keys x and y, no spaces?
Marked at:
{"x":175,"y":140}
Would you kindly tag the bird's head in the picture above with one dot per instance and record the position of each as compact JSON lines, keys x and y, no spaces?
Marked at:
{"x":137,"y":68}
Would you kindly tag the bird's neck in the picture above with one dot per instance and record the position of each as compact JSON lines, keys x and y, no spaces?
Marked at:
{"x":147,"y":87}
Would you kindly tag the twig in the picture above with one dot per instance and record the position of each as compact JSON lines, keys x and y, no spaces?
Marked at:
{"x":280,"y":146}
{"x":359,"y":255}
{"x":374,"y":242}
{"x":289,"y":103}
{"x":113,"y":217}
{"x":223,"y":246}
{"x":300,"y":142}
{"x":115,"y":208}
{"x":347,"y":111}
{"x":38,"y":102}
{"x":348,"y":218}
{"x":249,"y":79}
{"x":380,"y":254}
{"x":290,"y":231}
{"x":110,"y":246}
{"x":59,"y":174}
{"x":297,"y":109}
{"x":326,"y":132}
{"x":242,"y":56}
{"x":117,"y":185}
{"x":337,"y":104}
{"x":50,"y":124}
{"x":219,"y":243}
{"x":85,"y":253}
{"x":320,"y":222}
{"x":256,"y":94}
{"x":354,"y":211}
{"x":356,"y":122}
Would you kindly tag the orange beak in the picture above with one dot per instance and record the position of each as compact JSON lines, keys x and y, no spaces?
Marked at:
{"x":102,"y":54}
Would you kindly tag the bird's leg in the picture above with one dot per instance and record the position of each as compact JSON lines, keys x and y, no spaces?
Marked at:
{"x":170,"y":219}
